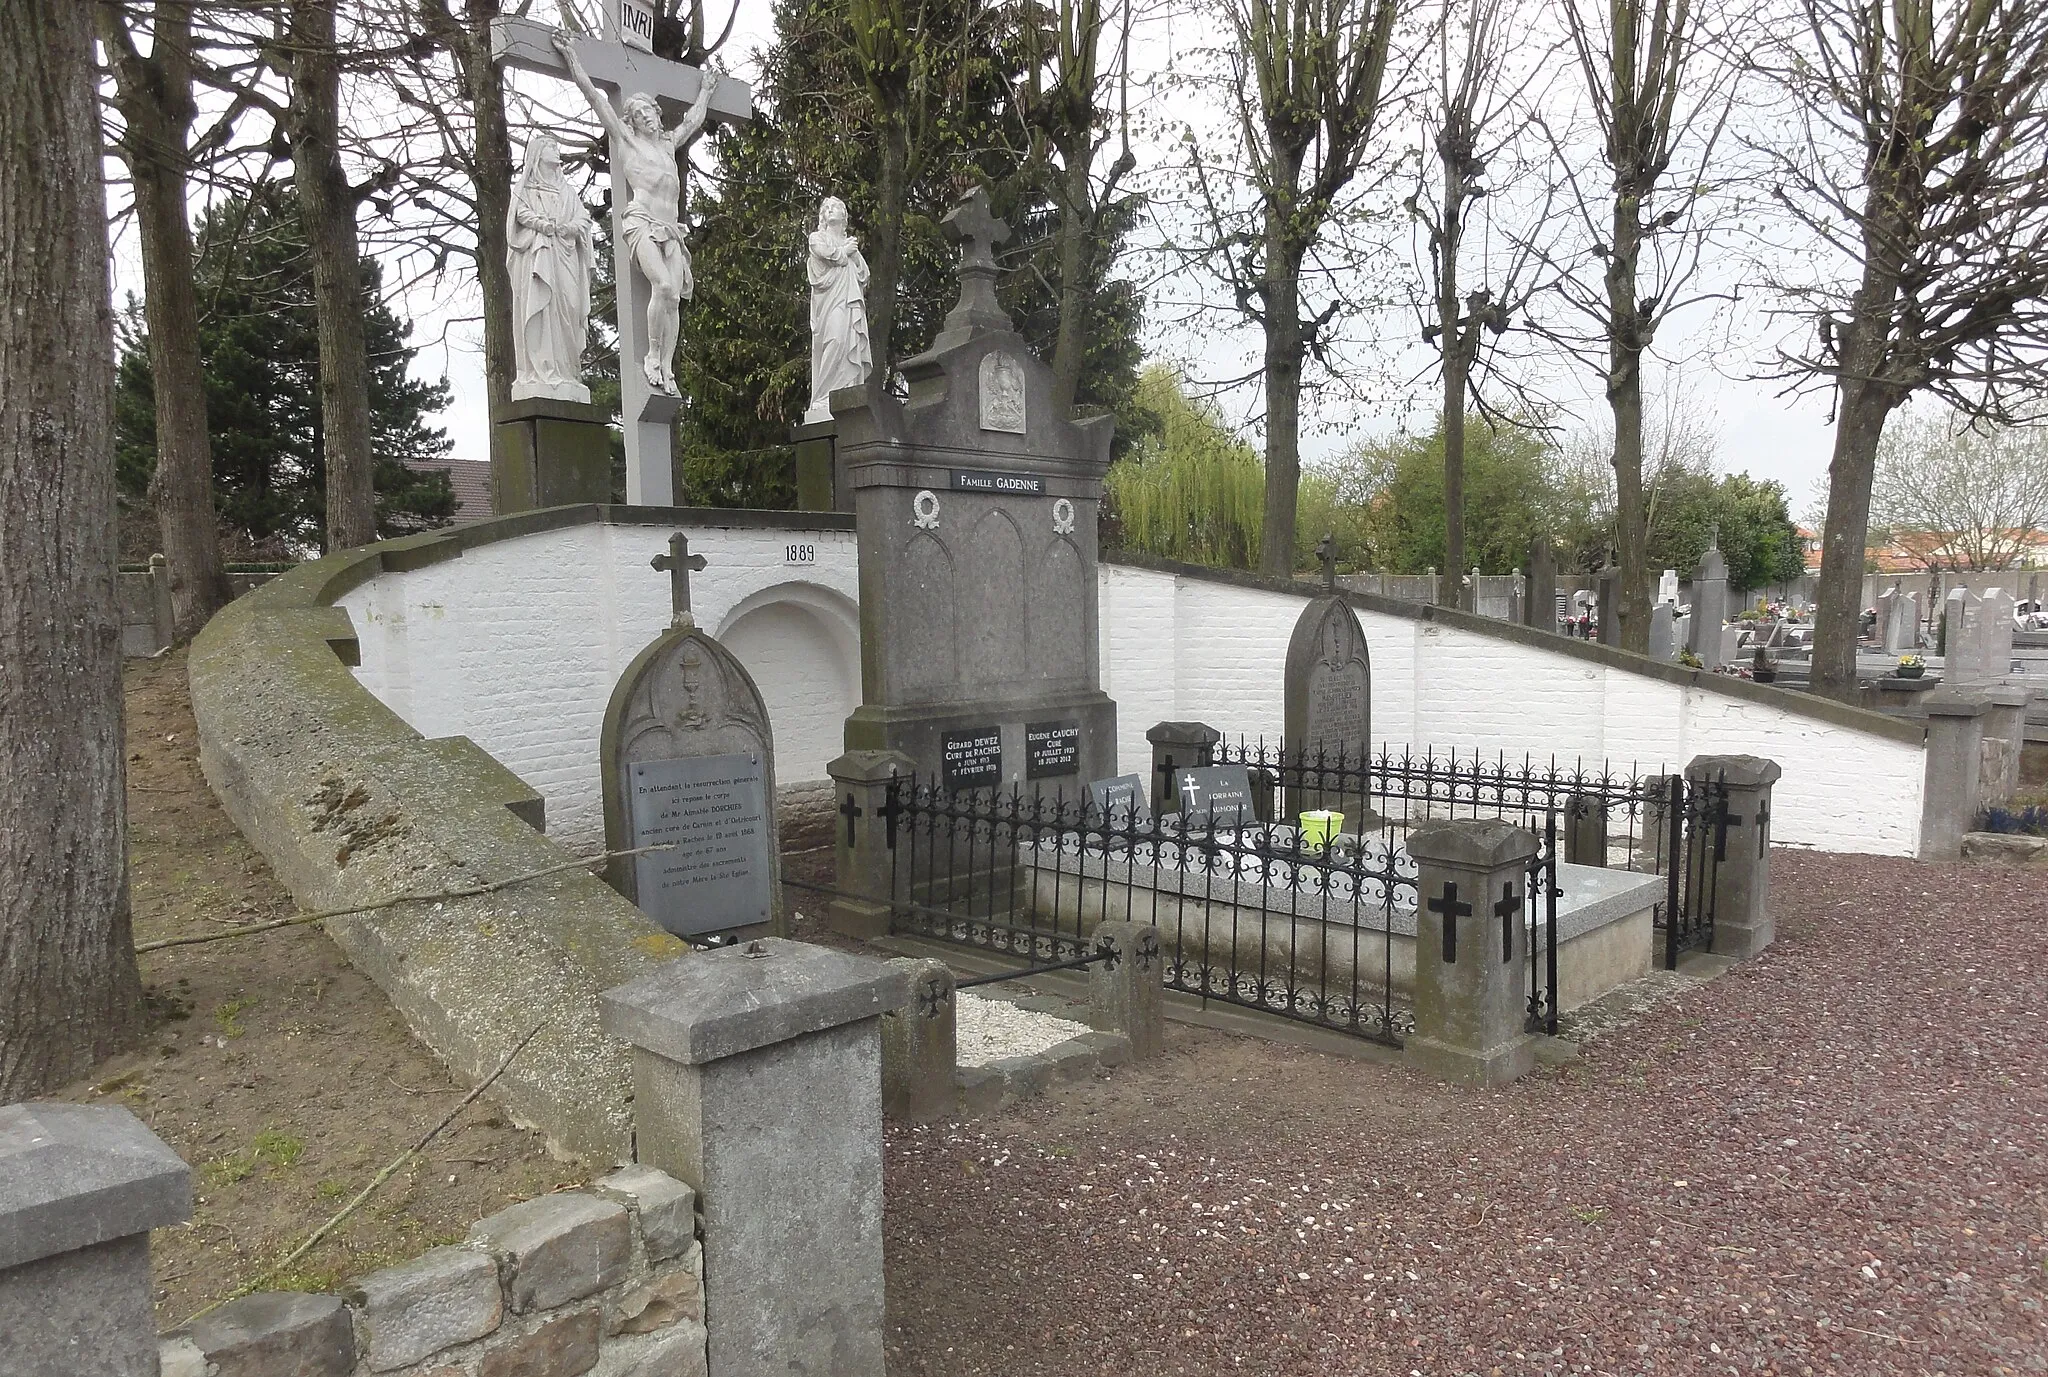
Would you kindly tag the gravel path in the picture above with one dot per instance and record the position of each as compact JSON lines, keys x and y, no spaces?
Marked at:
{"x":990,"y":1029}
{"x":1831,"y":1160}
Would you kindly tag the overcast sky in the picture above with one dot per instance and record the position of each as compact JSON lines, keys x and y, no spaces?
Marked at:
{"x":1714,"y":351}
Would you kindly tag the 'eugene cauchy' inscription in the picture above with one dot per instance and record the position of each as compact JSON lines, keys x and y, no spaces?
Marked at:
{"x":715,"y":808}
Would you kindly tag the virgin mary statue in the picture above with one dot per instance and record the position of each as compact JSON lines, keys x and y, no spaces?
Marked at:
{"x":548,"y":238}
{"x":840,"y":356}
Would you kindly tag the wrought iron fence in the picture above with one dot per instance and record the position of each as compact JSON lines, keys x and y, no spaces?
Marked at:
{"x":1254,"y":913}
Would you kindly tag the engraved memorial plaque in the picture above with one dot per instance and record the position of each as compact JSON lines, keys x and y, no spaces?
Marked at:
{"x":715,"y":809}
{"x":973,"y":759}
{"x":1120,"y":802}
{"x":1215,"y":796}
{"x":1051,"y":749}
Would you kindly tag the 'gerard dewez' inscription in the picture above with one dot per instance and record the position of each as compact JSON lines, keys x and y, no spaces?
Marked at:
{"x":974,"y":759}
{"x":714,"y":807}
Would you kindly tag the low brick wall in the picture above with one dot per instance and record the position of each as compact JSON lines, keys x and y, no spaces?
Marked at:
{"x":610,"y":1279}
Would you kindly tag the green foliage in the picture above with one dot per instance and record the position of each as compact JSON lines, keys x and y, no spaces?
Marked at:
{"x":1758,"y":536}
{"x":1507,"y":498}
{"x":1190,"y":489}
{"x":746,"y":355}
{"x":259,"y":346}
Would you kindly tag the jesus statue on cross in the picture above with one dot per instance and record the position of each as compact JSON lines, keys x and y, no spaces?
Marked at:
{"x":652,"y":223}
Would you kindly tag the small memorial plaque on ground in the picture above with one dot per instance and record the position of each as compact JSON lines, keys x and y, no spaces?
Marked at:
{"x":1120,"y":802}
{"x":1052,"y":749}
{"x":715,"y":809}
{"x":974,"y":758}
{"x":1215,"y":796}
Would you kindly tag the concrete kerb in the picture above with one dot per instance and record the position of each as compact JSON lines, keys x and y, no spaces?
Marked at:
{"x":351,"y":805}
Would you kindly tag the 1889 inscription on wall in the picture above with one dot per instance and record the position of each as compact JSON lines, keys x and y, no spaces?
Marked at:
{"x":715,"y":808}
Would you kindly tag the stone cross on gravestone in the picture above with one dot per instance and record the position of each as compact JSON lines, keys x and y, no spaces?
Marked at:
{"x":1326,"y":551}
{"x":621,"y":63}
{"x":973,"y":226}
{"x":677,"y":564}
{"x":1451,"y":909}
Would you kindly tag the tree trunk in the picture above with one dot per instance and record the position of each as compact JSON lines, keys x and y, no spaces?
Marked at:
{"x":1838,"y":595}
{"x":887,"y":270}
{"x":154,"y":96}
{"x":1070,"y":344}
{"x":1451,"y":346}
{"x":69,"y":991}
{"x":491,"y":173}
{"x":328,"y":205}
{"x":1282,"y":295}
{"x":1625,"y":399}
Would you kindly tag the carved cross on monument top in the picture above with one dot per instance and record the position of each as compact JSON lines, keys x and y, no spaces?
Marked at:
{"x":973,"y":226}
{"x":1326,"y":551}
{"x":678,"y":563}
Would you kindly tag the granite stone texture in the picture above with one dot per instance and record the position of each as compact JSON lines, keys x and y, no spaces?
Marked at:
{"x":678,"y":1353}
{"x":440,"y":1299}
{"x":678,"y":1295}
{"x":278,"y":1334}
{"x":558,"y":1248}
{"x":664,"y":1206}
{"x":81,"y":1311}
{"x":562,"y":1347}
{"x":920,"y":1045}
{"x":1124,"y":988}
{"x":75,"y":1175}
{"x":1469,"y":1002}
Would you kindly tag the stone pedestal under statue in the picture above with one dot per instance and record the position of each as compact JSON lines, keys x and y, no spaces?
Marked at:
{"x":546,"y":452}
{"x":819,"y":486}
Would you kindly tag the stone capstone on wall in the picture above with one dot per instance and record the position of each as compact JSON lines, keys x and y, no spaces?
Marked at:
{"x":351,"y":806}
{"x":608,"y":1280}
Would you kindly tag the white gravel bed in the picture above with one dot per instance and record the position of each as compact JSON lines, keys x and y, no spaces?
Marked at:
{"x":991,"y":1029}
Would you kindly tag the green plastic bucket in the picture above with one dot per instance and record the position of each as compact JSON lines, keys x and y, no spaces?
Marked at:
{"x":1318,"y":826}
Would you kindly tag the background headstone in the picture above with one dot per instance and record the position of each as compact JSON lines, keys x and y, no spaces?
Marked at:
{"x":1962,"y":638}
{"x":1609,"y":613}
{"x":1709,"y":607}
{"x":1327,"y":701}
{"x":688,"y":757}
{"x":1667,"y":586}
{"x":1995,"y":643}
{"x":1663,"y":631}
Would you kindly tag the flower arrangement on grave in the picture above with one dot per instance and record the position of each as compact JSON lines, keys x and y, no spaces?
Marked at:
{"x":1911,"y":666}
{"x":1690,"y":660}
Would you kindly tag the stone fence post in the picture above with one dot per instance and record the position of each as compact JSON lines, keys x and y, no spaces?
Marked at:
{"x":1124,"y":987}
{"x":1952,"y":794}
{"x":1736,"y":843}
{"x":757,"y":1081}
{"x":1471,"y":948}
{"x":921,"y":1044}
{"x":1177,"y":746}
{"x":81,"y":1186}
{"x":1585,"y":835}
{"x":864,"y":838}
{"x":2005,"y":736}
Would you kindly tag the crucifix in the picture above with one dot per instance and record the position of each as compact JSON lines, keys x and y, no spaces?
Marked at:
{"x":650,"y":261}
{"x":678,"y":563}
{"x":1451,"y":909}
{"x":973,"y":226}
{"x":1326,"y":551}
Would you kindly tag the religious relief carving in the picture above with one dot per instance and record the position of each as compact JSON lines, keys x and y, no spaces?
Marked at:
{"x":548,"y":254}
{"x":1002,"y":393}
{"x":652,"y":221}
{"x":840,"y":354}
{"x":693,"y":699}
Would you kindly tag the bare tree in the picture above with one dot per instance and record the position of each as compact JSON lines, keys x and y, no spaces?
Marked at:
{"x":1659,"y":101}
{"x":69,"y":992}
{"x":1915,"y":163}
{"x":1307,"y":88}
{"x":1971,"y":499}
{"x":1063,"y":107}
{"x":153,"y":95}
{"x":1469,"y":124}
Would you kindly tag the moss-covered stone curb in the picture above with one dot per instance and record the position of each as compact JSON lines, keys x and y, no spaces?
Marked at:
{"x":351,"y":805}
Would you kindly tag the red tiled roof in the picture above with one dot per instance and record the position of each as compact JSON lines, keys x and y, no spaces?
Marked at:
{"x":471,"y":481}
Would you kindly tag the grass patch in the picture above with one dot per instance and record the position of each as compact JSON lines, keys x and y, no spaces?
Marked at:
{"x":228,"y":1017}
{"x":277,"y":1148}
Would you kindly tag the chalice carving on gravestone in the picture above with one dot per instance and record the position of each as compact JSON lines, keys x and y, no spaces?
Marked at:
{"x":652,"y":222}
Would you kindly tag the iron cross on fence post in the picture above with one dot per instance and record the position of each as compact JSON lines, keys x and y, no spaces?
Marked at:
{"x":1507,"y":910}
{"x":1449,"y":906}
{"x":678,"y":563}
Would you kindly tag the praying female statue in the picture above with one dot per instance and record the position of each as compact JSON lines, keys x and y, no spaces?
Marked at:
{"x":548,"y":256}
{"x":840,"y":356}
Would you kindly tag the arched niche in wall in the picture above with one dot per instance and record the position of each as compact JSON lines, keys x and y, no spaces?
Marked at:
{"x":801,"y":642}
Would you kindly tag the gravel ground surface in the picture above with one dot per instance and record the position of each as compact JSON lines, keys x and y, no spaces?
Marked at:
{"x":1830,"y":1160}
{"x":991,"y":1029}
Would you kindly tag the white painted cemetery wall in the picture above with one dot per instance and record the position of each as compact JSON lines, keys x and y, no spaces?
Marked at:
{"x":1197,"y":649}
{"x":517,"y":645}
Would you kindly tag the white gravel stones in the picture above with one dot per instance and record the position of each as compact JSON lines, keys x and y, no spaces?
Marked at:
{"x":991,"y":1029}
